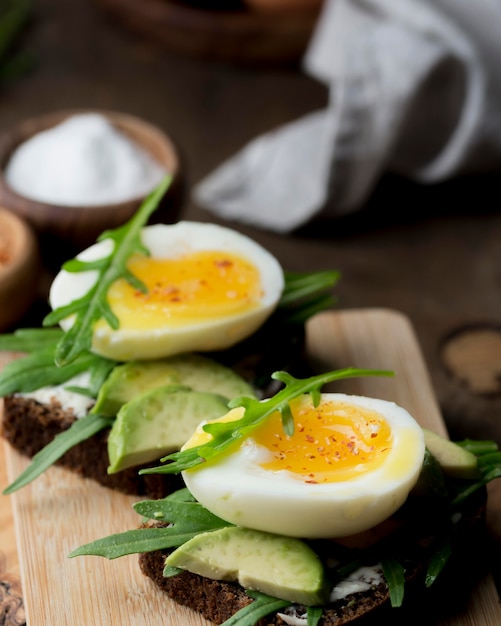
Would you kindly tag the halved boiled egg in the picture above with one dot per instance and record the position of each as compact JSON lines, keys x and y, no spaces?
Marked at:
{"x":208,"y":287}
{"x":349,"y":465}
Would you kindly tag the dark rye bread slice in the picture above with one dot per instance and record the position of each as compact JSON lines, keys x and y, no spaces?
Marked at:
{"x":29,"y":426}
{"x":217,"y":601}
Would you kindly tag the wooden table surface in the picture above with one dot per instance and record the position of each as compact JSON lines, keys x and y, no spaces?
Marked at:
{"x":433,"y":253}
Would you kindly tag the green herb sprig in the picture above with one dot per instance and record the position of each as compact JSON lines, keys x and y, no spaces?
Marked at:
{"x":37,"y":370}
{"x":94,"y":306}
{"x":80,"y":430}
{"x":30,"y":339}
{"x":261,"y":606}
{"x":439,"y":559}
{"x":488,"y":463}
{"x":306,"y":294}
{"x":185,"y":516}
{"x":225,"y":434}
{"x":394,"y":574}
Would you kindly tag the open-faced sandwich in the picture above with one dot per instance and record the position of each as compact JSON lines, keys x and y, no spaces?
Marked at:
{"x":311,"y":508}
{"x":152,"y":324}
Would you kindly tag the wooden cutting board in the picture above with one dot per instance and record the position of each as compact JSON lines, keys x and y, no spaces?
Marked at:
{"x":58,"y":512}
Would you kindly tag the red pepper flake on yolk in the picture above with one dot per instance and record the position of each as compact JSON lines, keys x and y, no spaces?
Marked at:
{"x":204,"y":284}
{"x":332,"y":442}
{"x":223,"y":263}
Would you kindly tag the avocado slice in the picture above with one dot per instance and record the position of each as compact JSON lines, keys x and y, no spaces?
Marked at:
{"x":192,"y":370}
{"x":282,"y":567}
{"x":157,"y":423}
{"x":454,"y":460}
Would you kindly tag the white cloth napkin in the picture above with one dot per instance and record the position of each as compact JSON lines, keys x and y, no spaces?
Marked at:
{"x":414,"y":89}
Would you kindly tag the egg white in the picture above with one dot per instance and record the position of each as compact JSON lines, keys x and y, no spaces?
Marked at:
{"x":237,"y":489}
{"x":171,"y":241}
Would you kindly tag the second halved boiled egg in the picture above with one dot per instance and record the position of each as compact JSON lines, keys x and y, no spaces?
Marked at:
{"x":348,"y":466}
{"x":208,"y":287}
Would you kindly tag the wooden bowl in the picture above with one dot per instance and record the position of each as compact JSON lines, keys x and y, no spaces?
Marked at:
{"x":281,"y":6}
{"x":79,"y":226}
{"x":232,"y":32}
{"x":19,"y":268}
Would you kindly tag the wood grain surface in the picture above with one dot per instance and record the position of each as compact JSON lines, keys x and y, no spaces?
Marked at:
{"x":59,"y":511}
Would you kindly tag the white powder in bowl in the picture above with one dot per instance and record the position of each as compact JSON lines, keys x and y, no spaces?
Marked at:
{"x":82,"y":161}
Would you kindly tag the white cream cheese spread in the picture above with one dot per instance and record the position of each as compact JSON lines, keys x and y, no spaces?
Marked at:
{"x":69,"y":400}
{"x":361,"y":579}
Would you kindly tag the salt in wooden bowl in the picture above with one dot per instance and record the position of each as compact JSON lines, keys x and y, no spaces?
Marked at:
{"x":79,"y":226}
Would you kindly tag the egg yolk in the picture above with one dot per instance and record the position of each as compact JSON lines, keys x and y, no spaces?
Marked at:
{"x":331,"y":443}
{"x":184,"y":290}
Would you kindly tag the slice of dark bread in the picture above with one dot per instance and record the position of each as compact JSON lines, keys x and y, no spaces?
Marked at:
{"x":217,"y":601}
{"x":29,"y":426}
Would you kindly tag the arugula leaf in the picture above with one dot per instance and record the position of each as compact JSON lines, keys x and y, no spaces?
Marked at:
{"x":438,"y":560}
{"x":181,"y":495}
{"x":225,"y":434}
{"x":488,"y":463}
{"x":262,"y":606}
{"x":131,"y":542}
{"x":489,"y":460}
{"x":186,"y":515}
{"x":30,"y":339}
{"x":99,"y":370}
{"x":395,"y":579}
{"x":478,"y":447}
{"x":305,"y":295}
{"x":79,"y":431}
{"x":37,"y":370}
{"x":169,"y":571}
{"x":186,"y":518}
{"x":94,"y":306}
{"x":163,"y":509}
{"x":314,"y":613}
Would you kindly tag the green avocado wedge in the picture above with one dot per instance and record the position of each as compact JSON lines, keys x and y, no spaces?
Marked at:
{"x":158,"y":422}
{"x":282,"y":567}
{"x":454,"y":460}
{"x":201,"y":373}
